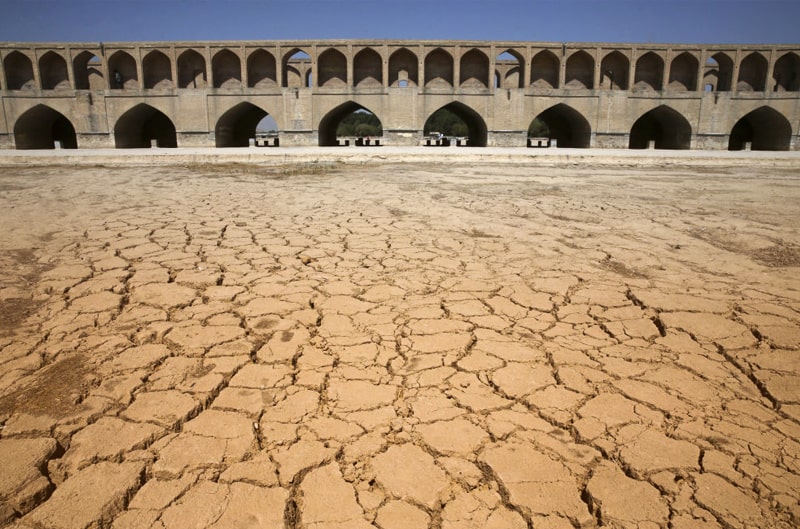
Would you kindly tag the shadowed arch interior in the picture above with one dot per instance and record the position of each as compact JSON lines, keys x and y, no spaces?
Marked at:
{"x":786,"y":73}
{"x":137,"y":127}
{"x":438,"y":69}
{"x":53,"y":72}
{"x":649,"y":73}
{"x":226,"y":70}
{"x":765,"y":128}
{"x":236,"y":126}
{"x":752,"y":73}
{"x":544,"y":70}
{"x":403,"y":67}
{"x":332,"y":67}
{"x":191,"y":70}
{"x":329,"y":123}
{"x":123,"y":64}
{"x":261,"y":71}
{"x":367,"y":69}
{"x":157,"y":70}
{"x":664,"y":126}
{"x":19,"y":71}
{"x":88,"y":74}
{"x":41,"y":126}
{"x":579,"y":71}
{"x":567,"y":126}
{"x":614,"y":71}
{"x":477,"y":131}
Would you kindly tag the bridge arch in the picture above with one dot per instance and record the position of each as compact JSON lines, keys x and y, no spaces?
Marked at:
{"x":238,"y":124}
{"x":297,"y":69}
{"x":137,"y":127}
{"x":123,"y":64}
{"x":765,"y":128}
{"x":332,"y":69}
{"x":88,"y":74}
{"x":40,"y":127}
{"x":614,"y":70}
{"x":474,"y":66}
{"x":567,"y":126}
{"x":579,"y":71}
{"x":683,"y":73}
{"x":191,"y":70}
{"x":544,"y":70}
{"x":403,"y":68}
{"x":157,"y":71}
{"x":261,"y":69}
{"x":752,"y":73}
{"x":367,"y":69}
{"x":226,"y":70}
{"x":53,"y":72}
{"x":664,"y":126}
{"x":513,"y":75}
{"x":19,"y":71}
{"x":786,"y":73}
{"x":438,"y":69}
{"x":649,"y":73}
{"x":477,"y":134}
{"x":330,"y":122}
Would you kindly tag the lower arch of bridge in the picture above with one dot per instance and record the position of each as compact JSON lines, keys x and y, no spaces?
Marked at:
{"x":329,"y":123}
{"x":766,"y":129}
{"x":567,"y":126}
{"x":664,"y":126}
{"x":137,"y":127}
{"x":236,"y":126}
{"x":476,"y":126}
{"x":41,"y":126}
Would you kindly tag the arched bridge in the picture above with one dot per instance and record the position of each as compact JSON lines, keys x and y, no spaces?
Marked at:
{"x":168,"y":94}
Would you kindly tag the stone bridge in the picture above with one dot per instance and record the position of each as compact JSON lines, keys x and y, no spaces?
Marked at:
{"x":168,"y":94}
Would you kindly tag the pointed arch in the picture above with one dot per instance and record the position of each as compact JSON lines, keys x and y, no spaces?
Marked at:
{"x":649,"y":72}
{"x":40,"y":127}
{"x":474,"y":70}
{"x":53,"y":72}
{"x":137,"y":127}
{"x":88,"y":72}
{"x":332,"y":68}
{"x":544,"y":70}
{"x":226,"y":70}
{"x":330,"y":122}
{"x":752,"y":73}
{"x":261,"y":69}
{"x":403,"y":66}
{"x":122,"y":69}
{"x":567,"y":126}
{"x":237,"y":126}
{"x":764,"y":128}
{"x":664,"y":126}
{"x":438,"y":69}
{"x":786,"y":73}
{"x":683,"y":73}
{"x":19,"y":71}
{"x":367,"y":69}
{"x":510,"y":70}
{"x":579,"y":71}
{"x":614,"y":70}
{"x":719,"y":72}
{"x":477,"y":131}
{"x":191,"y":70}
{"x":297,"y":71}
{"x":157,"y":71}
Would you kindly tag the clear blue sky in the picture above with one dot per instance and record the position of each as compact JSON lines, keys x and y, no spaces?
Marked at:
{"x":662,"y":21}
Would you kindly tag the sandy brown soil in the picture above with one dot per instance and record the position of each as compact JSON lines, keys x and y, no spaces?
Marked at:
{"x":399,"y":346}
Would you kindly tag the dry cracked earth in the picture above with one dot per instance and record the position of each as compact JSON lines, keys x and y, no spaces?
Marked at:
{"x":399,"y":346}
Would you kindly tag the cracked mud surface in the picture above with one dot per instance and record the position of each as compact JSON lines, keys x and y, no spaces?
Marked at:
{"x":399,"y":346}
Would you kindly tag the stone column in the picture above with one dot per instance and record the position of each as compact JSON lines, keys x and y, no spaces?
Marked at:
{"x":667,"y":69}
{"x":421,"y":70}
{"x":737,"y":59}
{"x":770,"y":81}
{"x":243,"y":66}
{"x":70,"y":68}
{"x":632,"y":68}
{"x":173,"y":66}
{"x":349,"y":61}
{"x":598,"y":73}
{"x":493,"y":70}
{"x":277,"y":52}
{"x":139,"y":69}
{"x":456,"y":67}
{"x":701,"y":72}
{"x":562,"y":67}
{"x":385,"y":65}
{"x":37,"y":75}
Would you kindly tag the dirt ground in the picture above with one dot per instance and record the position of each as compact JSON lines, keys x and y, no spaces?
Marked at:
{"x":399,"y":346}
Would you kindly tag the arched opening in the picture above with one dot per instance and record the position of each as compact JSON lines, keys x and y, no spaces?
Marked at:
{"x":787,"y":73}
{"x":711,"y":75}
{"x":683,"y":73}
{"x":157,"y":71}
{"x":41,"y":126}
{"x":261,"y":71}
{"x":267,"y":133}
{"x":403,"y":67}
{"x":663,"y":126}
{"x":614,"y":70}
{"x":19,"y":72}
{"x":649,"y":72}
{"x":544,"y":70}
{"x":474,"y":70}
{"x":122,"y":69}
{"x":457,"y":119}
{"x":296,"y":69}
{"x":332,"y":69}
{"x":141,"y":125}
{"x":752,"y":73}
{"x":564,"y":124}
{"x":719,"y":72}
{"x":53,"y":72}
{"x":351,"y":115}
{"x":580,"y":71}
{"x":226,"y":70}
{"x":764,"y":128}
{"x":191,"y":70}
{"x":438,"y":69}
{"x":368,"y":69}
{"x":88,"y":71}
{"x":509,"y":71}
{"x":237,"y":126}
